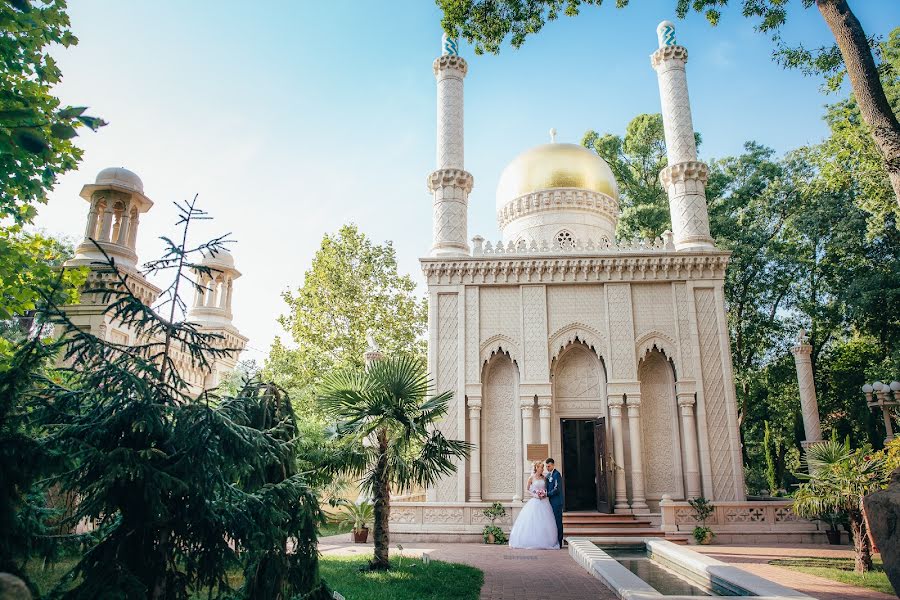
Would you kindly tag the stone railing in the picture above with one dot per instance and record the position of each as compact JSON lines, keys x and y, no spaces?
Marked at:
{"x":447,"y":517}
{"x":744,"y":521}
{"x":480,"y":247}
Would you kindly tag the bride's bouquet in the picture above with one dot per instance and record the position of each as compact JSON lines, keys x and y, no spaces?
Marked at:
{"x":539,"y":494}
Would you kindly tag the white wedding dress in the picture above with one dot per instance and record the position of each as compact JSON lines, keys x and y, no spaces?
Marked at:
{"x":535,"y":528}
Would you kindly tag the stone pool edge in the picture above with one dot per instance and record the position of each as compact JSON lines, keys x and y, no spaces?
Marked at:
{"x":628,"y":586}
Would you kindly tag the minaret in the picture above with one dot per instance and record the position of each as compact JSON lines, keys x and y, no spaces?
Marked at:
{"x":212,"y":299}
{"x":450,"y":183}
{"x":685,"y":177}
{"x":809,"y":407}
{"x":116,"y":201}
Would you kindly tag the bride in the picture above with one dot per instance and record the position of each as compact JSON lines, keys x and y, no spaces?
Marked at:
{"x":535,"y":528}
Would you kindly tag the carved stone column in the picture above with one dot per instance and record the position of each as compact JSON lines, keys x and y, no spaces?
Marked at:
{"x":475,"y":456}
{"x":638,"y":501}
{"x":90,"y":230}
{"x":686,"y":402}
{"x":106,"y":219}
{"x":124,"y":229}
{"x":809,"y":406}
{"x":527,"y":406}
{"x":615,"y":403}
{"x":544,"y":409}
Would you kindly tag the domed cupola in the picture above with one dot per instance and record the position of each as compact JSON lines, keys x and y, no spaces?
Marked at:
{"x":557,"y":193}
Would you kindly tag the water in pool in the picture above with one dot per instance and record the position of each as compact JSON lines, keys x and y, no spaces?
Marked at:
{"x":663,"y":580}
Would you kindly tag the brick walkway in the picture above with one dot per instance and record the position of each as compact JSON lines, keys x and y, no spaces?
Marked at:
{"x":528,"y":574}
{"x":755,"y":560}
{"x":508,"y":574}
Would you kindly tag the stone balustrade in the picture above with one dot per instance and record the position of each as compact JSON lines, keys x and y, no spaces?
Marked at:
{"x":747,"y":522}
{"x":445,"y":521}
{"x":480,"y":247}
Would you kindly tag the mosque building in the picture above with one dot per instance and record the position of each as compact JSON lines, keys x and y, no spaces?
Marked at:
{"x":558,"y":340}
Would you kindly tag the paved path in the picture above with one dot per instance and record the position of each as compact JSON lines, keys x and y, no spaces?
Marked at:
{"x":508,"y":574}
{"x":755,"y":560}
{"x":529,"y":574}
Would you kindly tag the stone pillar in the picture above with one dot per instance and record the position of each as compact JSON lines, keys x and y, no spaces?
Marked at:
{"x":200,"y":291}
{"x":228,"y":296}
{"x":106,"y":219}
{"x":90,"y":230}
{"x":685,"y":177}
{"x":132,"y":231}
{"x":615,"y":403}
{"x":686,"y":403}
{"x":474,"y":404}
{"x":124,"y":227}
{"x":450,"y":184}
{"x":544,"y":409}
{"x":809,"y":406}
{"x":527,"y":406}
{"x":638,"y":502}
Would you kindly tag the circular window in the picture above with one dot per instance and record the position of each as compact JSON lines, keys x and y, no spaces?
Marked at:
{"x":565,"y":240}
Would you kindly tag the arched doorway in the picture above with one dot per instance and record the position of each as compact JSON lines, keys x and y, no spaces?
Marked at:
{"x":580,"y":428}
{"x":660,"y":434}
{"x":498,"y":429}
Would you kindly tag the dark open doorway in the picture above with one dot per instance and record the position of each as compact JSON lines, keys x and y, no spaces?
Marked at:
{"x":586,"y":477}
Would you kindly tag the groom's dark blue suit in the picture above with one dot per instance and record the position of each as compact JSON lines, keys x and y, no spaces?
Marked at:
{"x":555,"y":495}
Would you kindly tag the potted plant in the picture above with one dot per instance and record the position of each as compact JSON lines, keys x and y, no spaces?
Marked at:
{"x":832,"y":533}
{"x":357,"y":515}
{"x":703,"y":509}
{"x":491,"y":533}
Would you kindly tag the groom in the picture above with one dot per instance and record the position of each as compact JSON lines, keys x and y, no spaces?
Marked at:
{"x":555,"y":495}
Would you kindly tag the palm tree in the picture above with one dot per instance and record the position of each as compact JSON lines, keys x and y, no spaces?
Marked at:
{"x":839,"y":479}
{"x":385,"y":417}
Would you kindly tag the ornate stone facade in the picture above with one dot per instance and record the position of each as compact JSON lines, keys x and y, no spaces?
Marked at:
{"x":559,"y":324}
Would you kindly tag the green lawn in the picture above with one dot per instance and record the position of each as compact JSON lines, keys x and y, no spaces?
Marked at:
{"x":839,"y":569}
{"x":331,"y":528}
{"x":411,"y":581}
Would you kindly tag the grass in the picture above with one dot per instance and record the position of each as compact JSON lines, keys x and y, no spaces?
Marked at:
{"x":332,"y":528}
{"x":411,"y":581}
{"x":840,"y":569}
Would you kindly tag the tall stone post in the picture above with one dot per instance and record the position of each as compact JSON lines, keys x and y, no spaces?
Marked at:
{"x":544,"y":410}
{"x":527,"y":406}
{"x":685,"y":177}
{"x":373,"y":352}
{"x":615,"y":403}
{"x":809,"y":406}
{"x":475,"y":455}
{"x":450,"y":184}
{"x":638,"y":501}
{"x":686,"y":403}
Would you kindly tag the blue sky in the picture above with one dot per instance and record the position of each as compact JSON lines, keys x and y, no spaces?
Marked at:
{"x":291,"y":118}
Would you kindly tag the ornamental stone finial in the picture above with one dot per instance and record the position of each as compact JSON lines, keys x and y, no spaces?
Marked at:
{"x":665,"y":34}
{"x":802,"y":338}
{"x":449,"y":47}
{"x":553,"y":135}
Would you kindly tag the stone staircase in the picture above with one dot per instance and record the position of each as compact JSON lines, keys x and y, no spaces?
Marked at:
{"x":593,"y":525}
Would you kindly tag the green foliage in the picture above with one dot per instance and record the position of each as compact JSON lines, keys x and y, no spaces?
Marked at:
{"x":352,"y":290}
{"x":36,"y":132}
{"x":703,"y":509}
{"x":386,"y":435}
{"x":493,"y":512}
{"x":358,"y":515}
{"x":839,"y":478}
{"x":841,"y":570}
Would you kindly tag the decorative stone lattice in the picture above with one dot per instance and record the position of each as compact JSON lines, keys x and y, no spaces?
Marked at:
{"x":447,"y":379}
{"x":744,"y":515}
{"x":686,"y":346}
{"x":534,"y":333}
{"x":402,"y":515}
{"x":500,"y":313}
{"x":653,"y":309}
{"x":685,"y":516}
{"x":621,"y":333}
{"x":473,"y":363}
{"x":498,"y":438}
{"x":720,"y":455}
{"x":785,"y":514}
{"x":478,"y":518}
{"x":443,"y":515}
{"x":659,"y":425}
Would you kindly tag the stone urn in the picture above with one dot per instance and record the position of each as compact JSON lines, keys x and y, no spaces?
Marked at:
{"x":882,"y":511}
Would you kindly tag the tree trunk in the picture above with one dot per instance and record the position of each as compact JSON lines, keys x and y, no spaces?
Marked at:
{"x":867,"y":89}
{"x":861,"y":549}
{"x":382,"y":507}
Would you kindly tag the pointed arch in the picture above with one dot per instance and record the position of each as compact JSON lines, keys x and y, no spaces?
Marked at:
{"x":656,"y":340}
{"x":576,"y":332}
{"x":499,"y":412}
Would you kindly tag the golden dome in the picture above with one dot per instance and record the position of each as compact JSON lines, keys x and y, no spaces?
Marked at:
{"x":550,"y":166}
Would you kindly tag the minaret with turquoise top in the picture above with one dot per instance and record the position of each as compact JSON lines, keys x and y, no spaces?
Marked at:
{"x":450,"y":184}
{"x":685,"y":177}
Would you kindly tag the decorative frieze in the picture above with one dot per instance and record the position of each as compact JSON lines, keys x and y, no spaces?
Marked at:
{"x":559,"y":199}
{"x":666,"y":53}
{"x":684,"y":172}
{"x":456,"y":178}
{"x":443,"y":515}
{"x":577,"y":269}
{"x":450,"y":62}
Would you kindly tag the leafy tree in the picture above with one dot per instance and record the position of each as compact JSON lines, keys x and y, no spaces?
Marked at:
{"x":487,"y":23}
{"x":154,"y":465}
{"x":636,"y":160}
{"x":36,"y":133}
{"x":840,"y":479}
{"x":386,"y":423}
{"x":351,"y":291}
